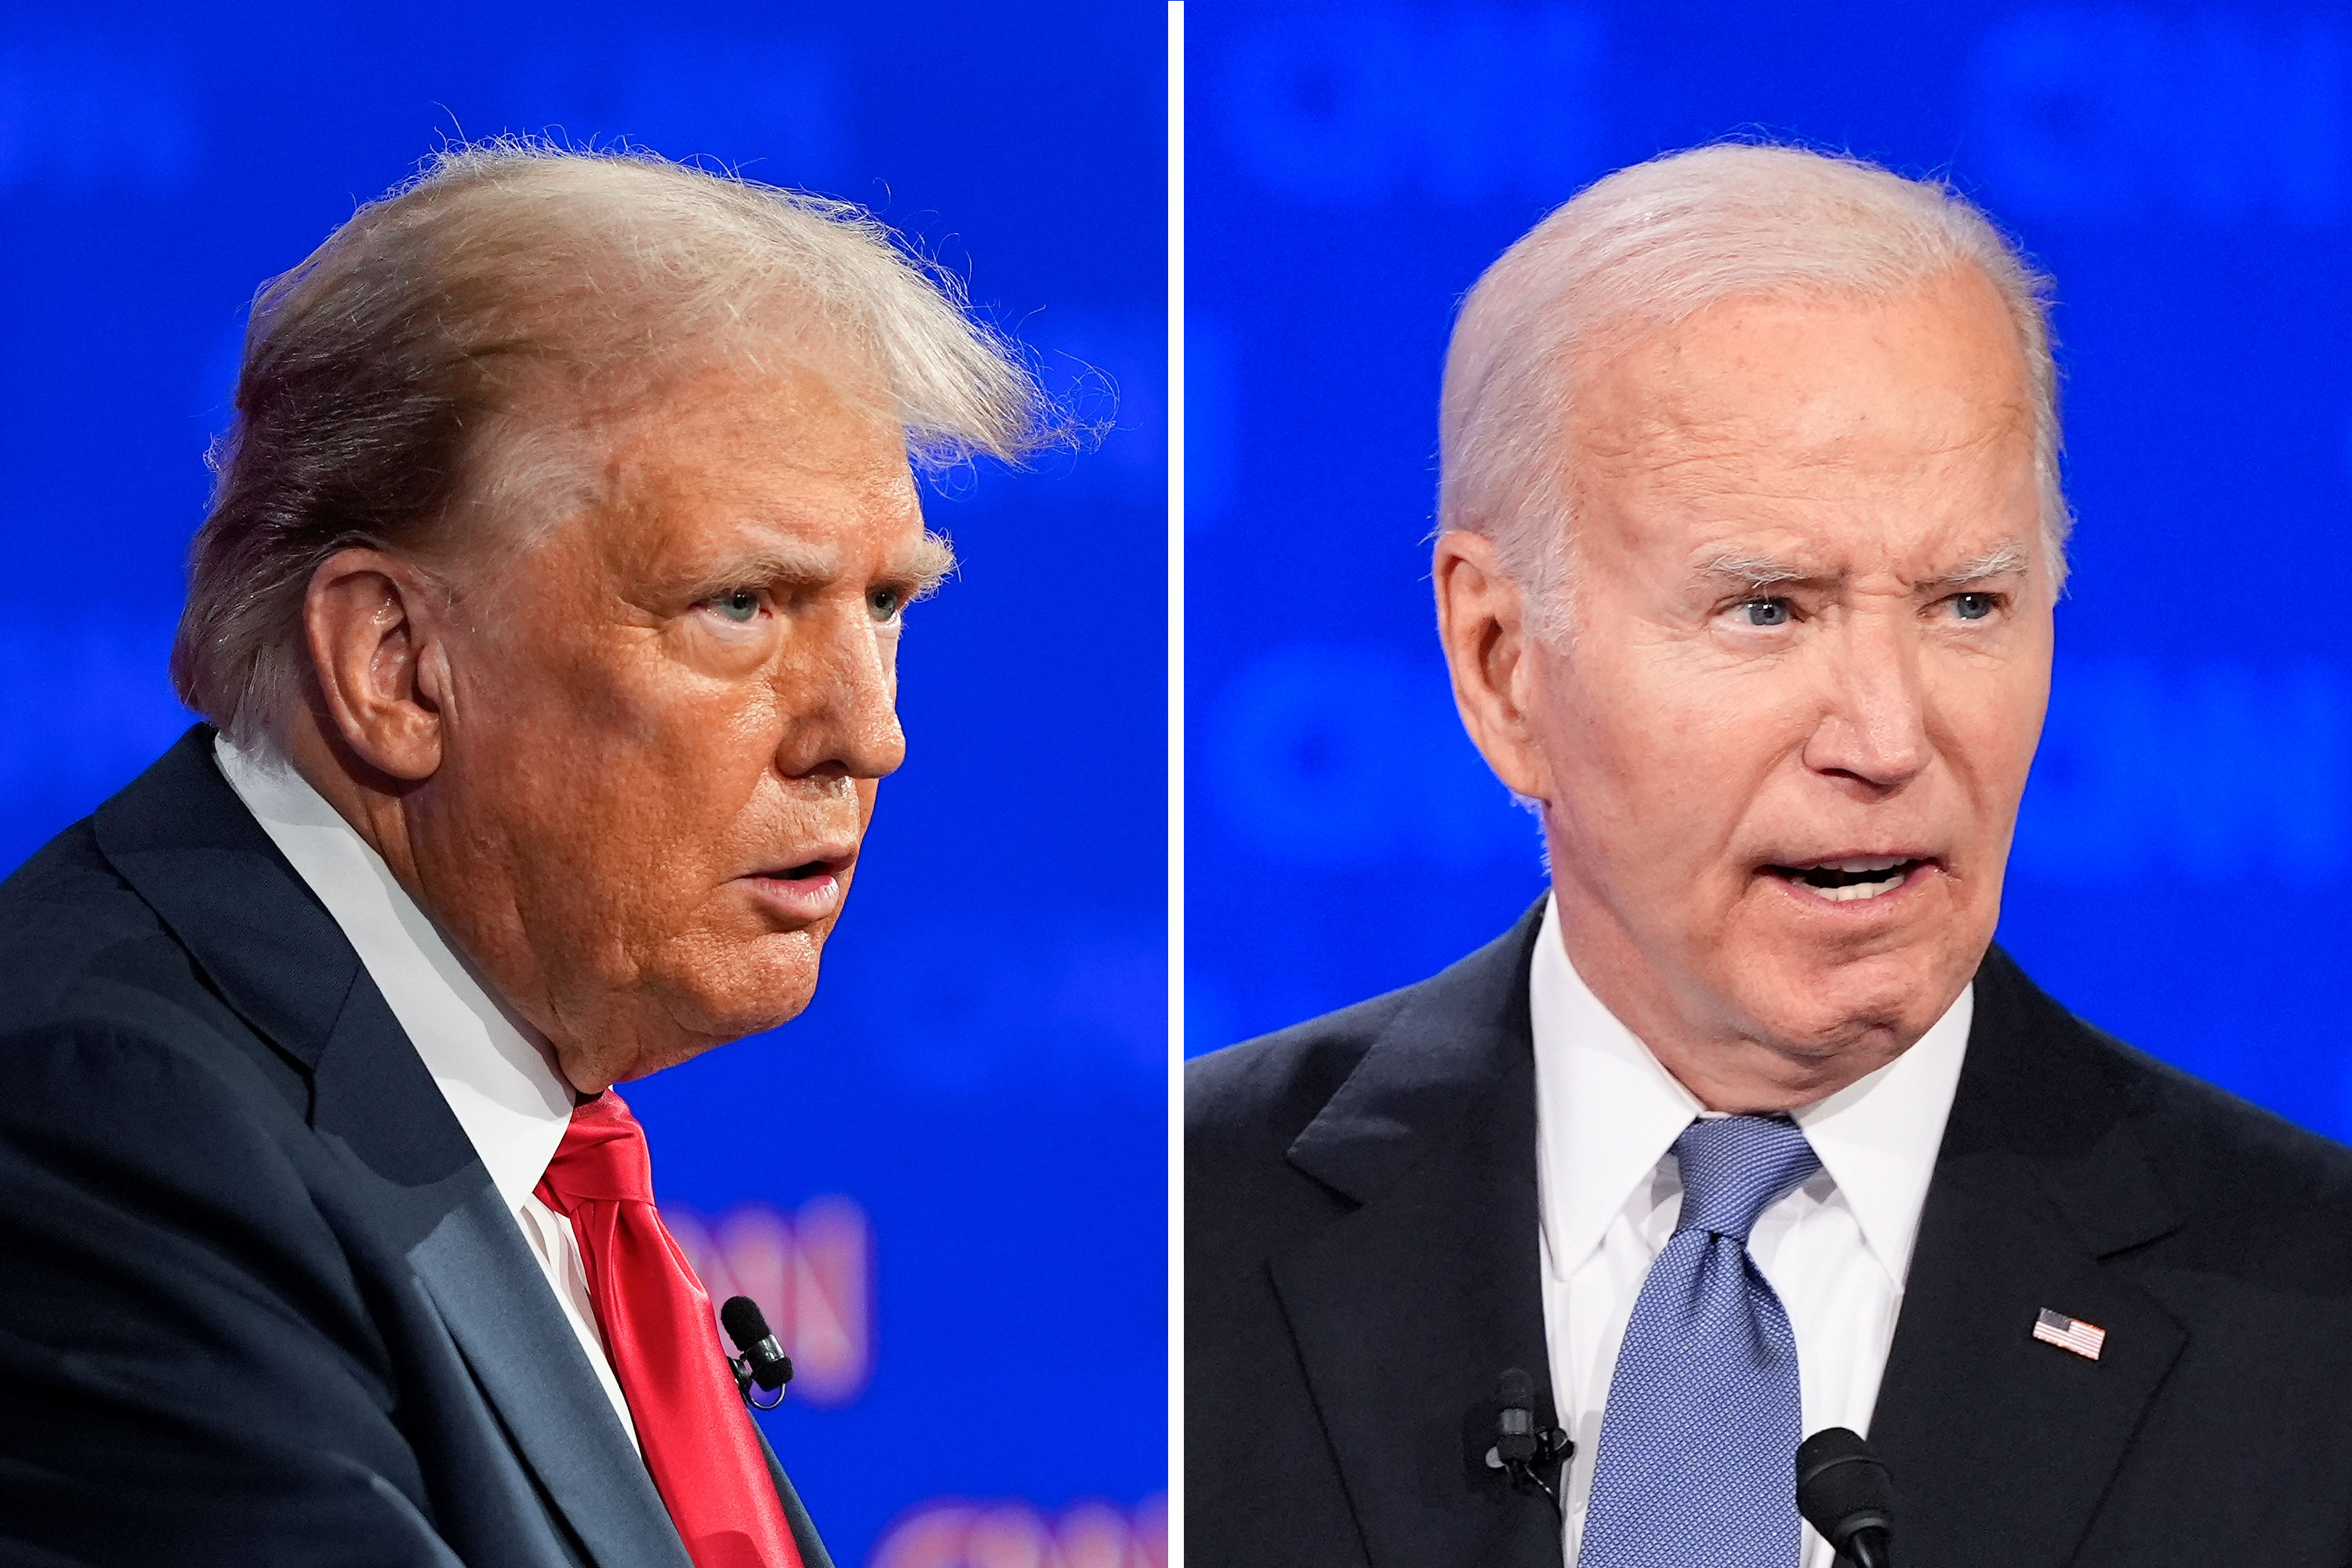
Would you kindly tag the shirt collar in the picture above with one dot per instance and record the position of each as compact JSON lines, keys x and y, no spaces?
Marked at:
{"x":1879,"y":1136}
{"x":1608,"y":1113}
{"x":496,"y":1072}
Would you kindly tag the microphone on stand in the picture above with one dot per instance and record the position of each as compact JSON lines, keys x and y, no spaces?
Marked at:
{"x":1844,"y":1492}
{"x":764,"y":1360}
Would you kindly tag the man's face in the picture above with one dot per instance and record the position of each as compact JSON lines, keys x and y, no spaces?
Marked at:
{"x":1807,"y":659}
{"x":668,"y":717}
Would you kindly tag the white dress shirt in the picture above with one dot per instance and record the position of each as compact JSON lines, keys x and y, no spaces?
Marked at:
{"x":1835,"y":1249}
{"x":496,"y":1073}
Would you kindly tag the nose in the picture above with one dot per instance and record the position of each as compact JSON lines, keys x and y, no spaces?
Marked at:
{"x":840,"y":703}
{"x":1873,"y":723}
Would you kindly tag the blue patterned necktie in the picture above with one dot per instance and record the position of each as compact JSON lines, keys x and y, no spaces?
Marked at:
{"x":1698,"y":1444}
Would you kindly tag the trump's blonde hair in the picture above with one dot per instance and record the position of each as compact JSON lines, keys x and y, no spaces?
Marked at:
{"x":408,"y":371}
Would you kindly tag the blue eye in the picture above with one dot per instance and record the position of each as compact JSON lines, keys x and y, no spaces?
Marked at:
{"x":740,"y":606}
{"x":1973,"y":606}
{"x":1766,"y":612}
{"x":883,"y":604}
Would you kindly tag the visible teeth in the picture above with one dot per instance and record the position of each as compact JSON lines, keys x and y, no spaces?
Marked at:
{"x":1852,"y":890}
{"x":1863,"y":876}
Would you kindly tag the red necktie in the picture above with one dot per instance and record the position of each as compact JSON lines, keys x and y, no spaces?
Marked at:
{"x":697,"y":1436}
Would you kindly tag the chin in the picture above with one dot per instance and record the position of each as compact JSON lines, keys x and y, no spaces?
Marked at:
{"x":1833,"y":1002}
{"x":749,"y":1004}
{"x":744,"y":988}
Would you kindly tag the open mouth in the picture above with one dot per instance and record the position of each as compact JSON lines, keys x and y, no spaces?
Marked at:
{"x":814,"y":878}
{"x":805,"y":890}
{"x":1844,"y":881}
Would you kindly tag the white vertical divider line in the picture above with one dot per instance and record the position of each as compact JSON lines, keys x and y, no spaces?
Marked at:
{"x":1175,"y":404}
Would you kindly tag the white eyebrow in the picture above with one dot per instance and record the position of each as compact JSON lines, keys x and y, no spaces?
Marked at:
{"x":771,"y":566}
{"x":2008,"y":560}
{"x":787,"y":563}
{"x":1755,"y":572}
{"x":924,"y":566}
{"x":933,"y":563}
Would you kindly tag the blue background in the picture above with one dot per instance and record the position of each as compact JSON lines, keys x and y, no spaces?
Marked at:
{"x":983,"y":1068}
{"x":2185,"y":171}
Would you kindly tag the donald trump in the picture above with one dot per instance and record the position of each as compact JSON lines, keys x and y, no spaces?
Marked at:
{"x":545,"y":626}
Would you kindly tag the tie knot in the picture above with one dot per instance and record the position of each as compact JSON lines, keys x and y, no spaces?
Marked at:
{"x":603,"y":1157}
{"x":1735,"y":1166}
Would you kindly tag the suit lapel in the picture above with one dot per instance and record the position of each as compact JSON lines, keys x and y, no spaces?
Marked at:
{"x":185,"y":843}
{"x":529,"y":1367}
{"x":2001,"y":1445}
{"x":804,"y":1535}
{"x":1407,"y":1309}
{"x":187,"y":846}
{"x":377,"y":1104}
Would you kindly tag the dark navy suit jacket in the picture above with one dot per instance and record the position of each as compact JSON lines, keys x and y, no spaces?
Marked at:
{"x":1361,"y":1264}
{"x":259,"y":1302}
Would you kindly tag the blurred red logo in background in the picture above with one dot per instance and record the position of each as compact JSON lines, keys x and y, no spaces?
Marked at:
{"x":962,"y":1532}
{"x":811,"y":1273}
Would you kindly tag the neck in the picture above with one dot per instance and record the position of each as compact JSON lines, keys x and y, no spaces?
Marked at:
{"x":371,"y":802}
{"x":385,"y":813}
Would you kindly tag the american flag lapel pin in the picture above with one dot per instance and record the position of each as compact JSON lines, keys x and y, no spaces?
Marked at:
{"x":2070,"y":1333}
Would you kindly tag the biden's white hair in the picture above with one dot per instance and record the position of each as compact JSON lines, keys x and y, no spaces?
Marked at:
{"x":1652,"y":244}
{"x":416,"y":385}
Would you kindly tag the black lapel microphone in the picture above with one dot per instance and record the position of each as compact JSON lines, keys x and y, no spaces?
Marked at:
{"x":1526,"y":1454}
{"x":1844,"y":1492}
{"x":764,"y":1360}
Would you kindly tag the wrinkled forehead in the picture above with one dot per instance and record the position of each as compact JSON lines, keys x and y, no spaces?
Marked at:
{"x":761,"y":406}
{"x":1806,"y":376}
{"x":1914,"y":402}
{"x":778,"y":343}
{"x":766,"y":447}
{"x":796,"y":439}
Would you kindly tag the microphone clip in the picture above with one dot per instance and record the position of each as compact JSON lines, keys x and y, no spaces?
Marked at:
{"x":1550,"y":1449}
{"x":747,"y":1374}
{"x":1521,"y":1451}
{"x":762,"y":1361}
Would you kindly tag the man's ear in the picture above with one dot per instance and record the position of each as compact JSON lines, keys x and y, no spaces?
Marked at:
{"x":1482,"y":620}
{"x":382,"y":668}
